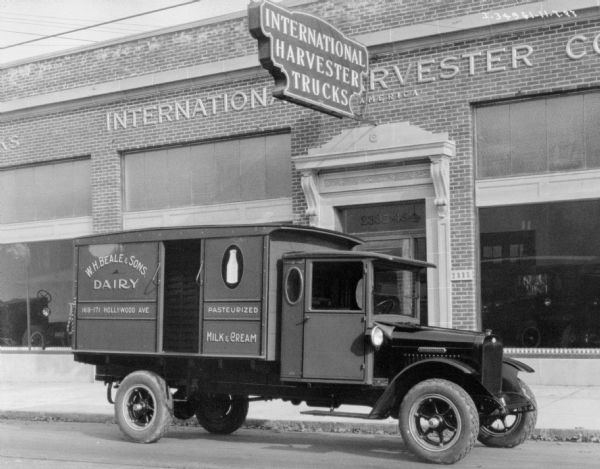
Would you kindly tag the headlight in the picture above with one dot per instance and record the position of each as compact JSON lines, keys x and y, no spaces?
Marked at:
{"x":46,"y":312}
{"x":547,"y":301}
{"x":376,"y":337}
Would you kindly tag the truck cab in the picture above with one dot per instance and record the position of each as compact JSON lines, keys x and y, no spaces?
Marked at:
{"x":199,"y":321}
{"x":332,"y":301}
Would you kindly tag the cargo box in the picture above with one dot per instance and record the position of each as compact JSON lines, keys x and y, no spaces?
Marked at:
{"x":210,"y":291}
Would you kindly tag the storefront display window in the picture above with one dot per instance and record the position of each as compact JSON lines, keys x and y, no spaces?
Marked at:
{"x":540,"y":274}
{"x":45,"y":191}
{"x":545,"y":135}
{"x":228,"y":171}
{"x":36,"y":290}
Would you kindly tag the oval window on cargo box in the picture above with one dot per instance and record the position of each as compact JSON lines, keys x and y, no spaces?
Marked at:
{"x":293,"y":285}
{"x":232,"y":266}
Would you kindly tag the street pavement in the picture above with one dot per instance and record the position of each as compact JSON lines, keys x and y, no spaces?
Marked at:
{"x":74,"y":445}
{"x":565,"y":413}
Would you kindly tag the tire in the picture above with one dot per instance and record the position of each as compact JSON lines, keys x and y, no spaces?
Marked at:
{"x":143,"y":407}
{"x":438,"y":421}
{"x":221,"y":413}
{"x":530,"y":336}
{"x":510,"y":430}
{"x":38,"y":338}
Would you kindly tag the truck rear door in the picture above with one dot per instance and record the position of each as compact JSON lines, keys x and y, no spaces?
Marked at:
{"x":118,"y":296}
{"x":232,"y":306}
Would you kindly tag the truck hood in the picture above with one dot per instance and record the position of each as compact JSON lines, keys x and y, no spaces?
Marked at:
{"x":398,"y":330}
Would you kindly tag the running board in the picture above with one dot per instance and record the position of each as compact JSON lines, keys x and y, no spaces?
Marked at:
{"x":327,"y":413}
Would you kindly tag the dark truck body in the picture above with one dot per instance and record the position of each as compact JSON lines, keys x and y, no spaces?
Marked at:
{"x":198,"y":320}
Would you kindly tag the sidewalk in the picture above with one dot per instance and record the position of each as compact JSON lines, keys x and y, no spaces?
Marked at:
{"x":564,"y":412}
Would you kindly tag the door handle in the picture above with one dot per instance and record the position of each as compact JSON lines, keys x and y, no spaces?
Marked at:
{"x":199,"y":272}
{"x":153,"y":281}
{"x":154,"y":277}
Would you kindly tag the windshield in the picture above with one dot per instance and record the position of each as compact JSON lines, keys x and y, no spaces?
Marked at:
{"x":396,"y":292}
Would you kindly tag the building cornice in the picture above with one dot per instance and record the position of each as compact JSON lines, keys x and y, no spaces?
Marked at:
{"x":145,"y":35}
{"x":393,"y":40}
{"x":478,"y":25}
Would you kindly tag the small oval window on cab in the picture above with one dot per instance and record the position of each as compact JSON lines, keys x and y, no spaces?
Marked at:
{"x":293,"y":285}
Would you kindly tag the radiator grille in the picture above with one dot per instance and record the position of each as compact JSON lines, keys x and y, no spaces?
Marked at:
{"x":491,"y":364}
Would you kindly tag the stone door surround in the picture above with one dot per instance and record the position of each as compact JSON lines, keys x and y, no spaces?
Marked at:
{"x":381,"y":164}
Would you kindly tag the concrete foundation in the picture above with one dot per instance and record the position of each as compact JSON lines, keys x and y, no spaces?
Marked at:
{"x":562,"y":371}
{"x":43,"y":367}
{"x":48,"y":367}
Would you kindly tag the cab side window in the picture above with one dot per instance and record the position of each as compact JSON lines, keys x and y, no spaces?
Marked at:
{"x":337,"y":286}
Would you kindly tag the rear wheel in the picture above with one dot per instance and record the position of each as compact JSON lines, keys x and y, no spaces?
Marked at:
{"x":143,"y":407}
{"x":510,"y":430}
{"x":37,"y":337}
{"x":438,"y":421}
{"x":221,"y":413}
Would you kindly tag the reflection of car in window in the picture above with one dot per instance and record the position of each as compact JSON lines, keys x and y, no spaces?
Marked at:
{"x":551,"y":301}
{"x":42,"y":333}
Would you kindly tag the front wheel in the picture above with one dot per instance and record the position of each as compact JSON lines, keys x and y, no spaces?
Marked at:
{"x":438,"y":421}
{"x":143,"y":407}
{"x":221,"y":413}
{"x":510,"y":430}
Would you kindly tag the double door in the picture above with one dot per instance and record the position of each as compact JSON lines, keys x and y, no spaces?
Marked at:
{"x":213,"y":297}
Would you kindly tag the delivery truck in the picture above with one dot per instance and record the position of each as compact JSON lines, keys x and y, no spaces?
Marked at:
{"x":199,"y":321}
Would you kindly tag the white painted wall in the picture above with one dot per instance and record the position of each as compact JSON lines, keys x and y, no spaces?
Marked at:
{"x":27,"y":367}
{"x":44,"y":367}
{"x":562,"y":371}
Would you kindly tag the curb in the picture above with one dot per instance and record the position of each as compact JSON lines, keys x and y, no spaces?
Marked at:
{"x":55,"y":417}
{"x":576,"y":435}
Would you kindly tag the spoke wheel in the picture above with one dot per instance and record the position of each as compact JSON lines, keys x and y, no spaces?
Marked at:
{"x":531,"y":337}
{"x":510,"y":430}
{"x":221,"y":413}
{"x":142,"y":408}
{"x":438,"y":421}
{"x":37,"y":337}
{"x":435,"y":422}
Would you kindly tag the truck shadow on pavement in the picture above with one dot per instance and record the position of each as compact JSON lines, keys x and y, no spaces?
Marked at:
{"x":382,"y":447}
{"x":386,"y":447}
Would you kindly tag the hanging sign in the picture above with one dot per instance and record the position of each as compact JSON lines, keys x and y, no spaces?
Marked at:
{"x":313,"y":63}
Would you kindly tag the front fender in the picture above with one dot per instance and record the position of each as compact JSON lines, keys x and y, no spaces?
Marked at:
{"x":409,"y":376}
{"x":520,"y":366}
{"x":512,"y":397}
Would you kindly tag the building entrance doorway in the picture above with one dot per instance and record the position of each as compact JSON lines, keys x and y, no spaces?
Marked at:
{"x":396,"y":229}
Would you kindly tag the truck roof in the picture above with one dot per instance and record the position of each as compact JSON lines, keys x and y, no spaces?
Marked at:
{"x":357,"y":255}
{"x":214,"y":231}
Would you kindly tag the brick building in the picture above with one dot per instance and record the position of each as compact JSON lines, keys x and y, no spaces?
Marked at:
{"x":476,"y":148}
